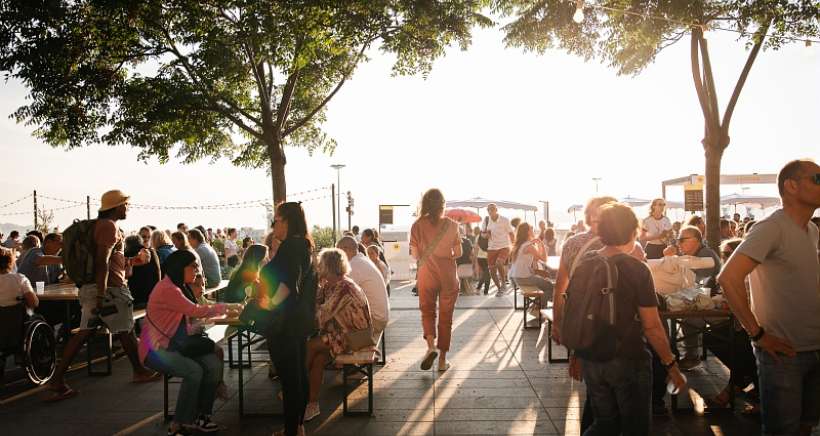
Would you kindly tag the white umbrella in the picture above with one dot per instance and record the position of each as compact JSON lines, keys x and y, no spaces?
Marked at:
{"x":635,"y":202}
{"x":762,"y":201}
{"x":575,"y":208}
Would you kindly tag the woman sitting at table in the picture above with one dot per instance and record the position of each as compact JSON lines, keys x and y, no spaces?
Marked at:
{"x":14,"y":287}
{"x":247,"y":275}
{"x":527,"y":252}
{"x":341,"y":307}
{"x":166,"y":333}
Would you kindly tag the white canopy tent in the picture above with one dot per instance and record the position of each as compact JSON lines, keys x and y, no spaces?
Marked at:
{"x":480,"y":203}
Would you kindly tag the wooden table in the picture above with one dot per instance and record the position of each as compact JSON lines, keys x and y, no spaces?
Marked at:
{"x":711,"y":317}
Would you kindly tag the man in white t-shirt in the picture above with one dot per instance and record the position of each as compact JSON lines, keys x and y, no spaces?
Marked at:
{"x":498,"y":248}
{"x":365,"y":274}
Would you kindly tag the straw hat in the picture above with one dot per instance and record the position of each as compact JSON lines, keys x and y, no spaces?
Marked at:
{"x":112,"y":199}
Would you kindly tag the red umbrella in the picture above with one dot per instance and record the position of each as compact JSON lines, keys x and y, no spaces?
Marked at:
{"x":463,"y":215}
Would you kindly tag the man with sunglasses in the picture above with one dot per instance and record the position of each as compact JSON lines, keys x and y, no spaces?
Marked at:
{"x":780,"y":257}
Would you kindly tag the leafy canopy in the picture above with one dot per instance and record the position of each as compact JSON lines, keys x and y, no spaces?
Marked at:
{"x":232,"y":78}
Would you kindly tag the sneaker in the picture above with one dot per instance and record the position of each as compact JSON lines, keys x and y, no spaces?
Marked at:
{"x":181,"y":431}
{"x":502,"y":291}
{"x":205,"y":425}
{"x":311,"y":411}
{"x":689,"y":363}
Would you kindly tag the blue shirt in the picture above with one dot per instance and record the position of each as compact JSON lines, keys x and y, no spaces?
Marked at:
{"x":28,"y":267}
{"x":210,"y":264}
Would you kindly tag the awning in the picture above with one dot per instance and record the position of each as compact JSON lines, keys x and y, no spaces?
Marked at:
{"x":481,"y":203}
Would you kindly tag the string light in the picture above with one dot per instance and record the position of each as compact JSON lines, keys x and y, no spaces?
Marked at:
{"x":578,"y":16}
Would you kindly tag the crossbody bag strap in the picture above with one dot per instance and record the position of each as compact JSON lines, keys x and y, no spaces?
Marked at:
{"x":430,"y":248}
{"x":170,"y":339}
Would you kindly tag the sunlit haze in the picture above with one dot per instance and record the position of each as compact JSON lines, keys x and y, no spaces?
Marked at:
{"x":489,"y":122}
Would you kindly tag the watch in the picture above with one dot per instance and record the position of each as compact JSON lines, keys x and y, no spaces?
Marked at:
{"x":669,"y":365}
{"x":758,"y":336}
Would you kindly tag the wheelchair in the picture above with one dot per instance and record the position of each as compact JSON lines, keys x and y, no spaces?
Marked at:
{"x":30,"y":340}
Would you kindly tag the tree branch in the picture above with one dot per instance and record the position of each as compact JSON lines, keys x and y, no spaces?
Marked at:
{"x":697,"y":35}
{"x":709,"y":82}
{"x":730,"y":108}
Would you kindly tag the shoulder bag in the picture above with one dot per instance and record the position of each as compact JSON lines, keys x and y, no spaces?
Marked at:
{"x":433,"y":244}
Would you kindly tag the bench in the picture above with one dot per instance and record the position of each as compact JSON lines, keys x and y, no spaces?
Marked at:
{"x":532,"y":295}
{"x":548,"y":315}
{"x":360,"y":362}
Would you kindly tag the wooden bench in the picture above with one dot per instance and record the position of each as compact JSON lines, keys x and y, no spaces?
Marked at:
{"x":360,"y":362}
{"x":532,"y":295}
{"x":102,"y":334}
{"x":548,"y":315}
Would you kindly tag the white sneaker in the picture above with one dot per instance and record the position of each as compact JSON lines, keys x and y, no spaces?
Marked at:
{"x":502,"y":291}
{"x":311,"y":411}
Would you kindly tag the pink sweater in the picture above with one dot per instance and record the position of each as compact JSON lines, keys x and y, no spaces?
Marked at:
{"x":166,"y":307}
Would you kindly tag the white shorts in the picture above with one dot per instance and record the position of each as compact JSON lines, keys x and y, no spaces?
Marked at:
{"x":120,"y":321}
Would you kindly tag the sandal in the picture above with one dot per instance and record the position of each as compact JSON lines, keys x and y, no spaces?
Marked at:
{"x":60,"y":394}
{"x":431,"y":355}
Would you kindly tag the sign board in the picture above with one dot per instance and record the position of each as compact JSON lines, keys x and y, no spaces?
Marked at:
{"x":693,"y":194}
{"x":385,"y":215}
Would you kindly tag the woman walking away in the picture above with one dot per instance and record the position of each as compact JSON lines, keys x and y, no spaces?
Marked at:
{"x":288,"y":290}
{"x":617,"y":365}
{"x":166,"y":346}
{"x":435,"y":244}
{"x":656,"y":229}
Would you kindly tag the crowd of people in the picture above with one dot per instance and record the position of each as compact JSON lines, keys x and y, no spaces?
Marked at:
{"x":313,"y":305}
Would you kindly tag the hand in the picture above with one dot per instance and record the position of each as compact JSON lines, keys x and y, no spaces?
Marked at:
{"x":575,"y":369}
{"x":670,"y":251}
{"x":774,"y":346}
{"x":676,"y":377}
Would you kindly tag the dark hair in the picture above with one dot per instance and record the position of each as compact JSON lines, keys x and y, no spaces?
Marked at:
{"x":355,"y":229}
{"x":549,"y":233}
{"x":6,"y":259}
{"x":174,"y":268}
{"x":133,"y":245}
{"x":152,"y":228}
{"x":233,"y":261}
{"x":515,"y":222}
{"x":145,"y":228}
{"x":30,"y":241}
{"x":790,"y":171}
{"x":369,"y":233}
{"x":181,"y":225}
{"x":729,"y":243}
{"x":181,"y":236}
{"x":294,"y":214}
{"x":432,"y":205}
{"x":197,"y":235}
{"x":51,"y":237}
{"x":695,"y":220}
{"x":748,"y":227}
{"x":230,"y":230}
{"x":14,"y":234}
{"x":37,"y":234}
{"x":617,"y":224}
{"x":247,"y":242}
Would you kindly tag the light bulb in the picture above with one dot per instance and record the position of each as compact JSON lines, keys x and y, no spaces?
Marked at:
{"x":578,"y":17}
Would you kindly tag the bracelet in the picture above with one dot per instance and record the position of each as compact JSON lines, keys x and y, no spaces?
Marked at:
{"x":669,"y":365}
{"x":758,"y":336}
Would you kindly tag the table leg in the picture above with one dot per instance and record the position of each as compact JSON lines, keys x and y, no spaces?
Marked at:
{"x":732,"y":361}
{"x":241,"y":378}
{"x":67,"y":323}
{"x":673,"y":337}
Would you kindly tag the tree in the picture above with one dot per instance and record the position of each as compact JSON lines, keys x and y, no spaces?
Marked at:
{"x":240,"y":79}
{"x":628,"y":35}
{"x":45,"y":219}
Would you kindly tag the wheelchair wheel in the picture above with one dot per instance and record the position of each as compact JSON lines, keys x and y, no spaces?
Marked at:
{"x":39,"y":351}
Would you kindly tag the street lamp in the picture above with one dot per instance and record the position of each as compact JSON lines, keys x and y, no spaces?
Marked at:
{"x":338,"y":168}
{"x":596,"y":180}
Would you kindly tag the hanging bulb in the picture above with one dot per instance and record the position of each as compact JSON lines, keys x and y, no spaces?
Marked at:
{"x":578,"y":16}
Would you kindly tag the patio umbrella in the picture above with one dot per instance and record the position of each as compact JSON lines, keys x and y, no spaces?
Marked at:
{"x":635,"y":202}
{"x":575,"y":208}
{"x":762,"y":201}
{"x":463,"y":215}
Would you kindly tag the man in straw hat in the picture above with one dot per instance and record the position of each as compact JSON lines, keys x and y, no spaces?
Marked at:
{"x":107,"y":299}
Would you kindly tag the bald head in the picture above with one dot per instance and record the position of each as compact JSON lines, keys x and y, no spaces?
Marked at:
{"x":349,"y":246}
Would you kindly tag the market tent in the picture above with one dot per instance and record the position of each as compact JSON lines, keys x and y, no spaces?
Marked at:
{"x":757,"y":200}
{"x":480,"y":203}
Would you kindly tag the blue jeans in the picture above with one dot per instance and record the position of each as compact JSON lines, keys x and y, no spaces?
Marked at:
{"x":200,"y":376}
{"x":620,"y":393}
{"x":789,"y":391}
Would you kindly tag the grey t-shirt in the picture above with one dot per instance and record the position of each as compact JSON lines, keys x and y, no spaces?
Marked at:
{"x":210,"y":264}
{"x":785,"y":286}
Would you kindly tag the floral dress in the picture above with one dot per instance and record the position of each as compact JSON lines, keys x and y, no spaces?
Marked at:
{"x":341,"y":308}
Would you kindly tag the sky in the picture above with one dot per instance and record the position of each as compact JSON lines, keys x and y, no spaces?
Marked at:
{"x":491,"y":121}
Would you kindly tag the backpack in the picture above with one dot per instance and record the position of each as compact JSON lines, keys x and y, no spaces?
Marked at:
{"x":483,"y":241}
{"x":466,"y":252}
{"x":588,"y":325}
{"x":78,"y":251}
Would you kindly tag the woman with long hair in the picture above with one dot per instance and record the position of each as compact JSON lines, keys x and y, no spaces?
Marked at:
{"x":527,"y":252}
{"x":288,"y":290}
{"x":656,"y":229}
{"x":435,"y":244}
{"x":246,"y":275}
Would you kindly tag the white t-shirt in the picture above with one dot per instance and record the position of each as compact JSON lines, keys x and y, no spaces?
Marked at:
{"x":13,"y":285}
{"x":231,"y":249}
{"x":656,"y":226}
{"x":500,"y":230}
{"x":370,"y":279}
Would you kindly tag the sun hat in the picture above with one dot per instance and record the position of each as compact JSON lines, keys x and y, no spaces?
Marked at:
{"x":112,"y":199}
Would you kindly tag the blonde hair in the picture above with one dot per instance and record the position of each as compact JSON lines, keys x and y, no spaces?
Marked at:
{"x":182,"y":237}
{"x":160,"y":238}
{"x":375,"y":248}
{"x":332,"y":261}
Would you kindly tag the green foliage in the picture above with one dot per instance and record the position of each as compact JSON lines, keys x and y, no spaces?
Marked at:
{"x":218,"y":78}
{"x":629,"y":41}
{"x":322,"y":237}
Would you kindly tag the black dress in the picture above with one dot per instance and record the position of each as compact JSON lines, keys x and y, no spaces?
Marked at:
{"x":293,"y":266}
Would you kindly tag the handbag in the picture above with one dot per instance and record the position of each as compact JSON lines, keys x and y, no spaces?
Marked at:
{"x":192,"y":346}
{"x":361,"y":338}
{"x":259,"y":320}
{"x":430,"y":248}
{"x":483,"y":241}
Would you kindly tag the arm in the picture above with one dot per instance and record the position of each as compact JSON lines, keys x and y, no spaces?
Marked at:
{"x":537,"y":251}
{"x":656,"y":336}
{"x":29,"y":297}
{"x":48,"y":260}
{"x":457,"y":250}
{"x":561,"y":284}
{"x":101,"y":265}
{"x":732,"y":280}
{"x":173,"y":300}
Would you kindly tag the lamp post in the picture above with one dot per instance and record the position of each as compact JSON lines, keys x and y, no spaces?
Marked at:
{"x":338,"y":168}
{"x":596,"y":180}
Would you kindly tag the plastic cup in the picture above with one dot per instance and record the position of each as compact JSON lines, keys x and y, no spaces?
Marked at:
{"x":671,"y":388}
{"x":41,"y":287}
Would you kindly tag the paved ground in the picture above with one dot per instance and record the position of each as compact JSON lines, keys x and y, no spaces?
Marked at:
{"x":500,"y":383}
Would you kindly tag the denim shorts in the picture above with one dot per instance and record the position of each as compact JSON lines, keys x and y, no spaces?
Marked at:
{"x":789,"y":391}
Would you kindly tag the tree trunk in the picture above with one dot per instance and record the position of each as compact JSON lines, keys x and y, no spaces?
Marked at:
{"x":276,"y":155}
{"x":714,"y":154}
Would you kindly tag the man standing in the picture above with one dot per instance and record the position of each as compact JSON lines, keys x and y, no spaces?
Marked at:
{"x":207,"y":256}
{"x":780,"y":257}
{"x":365,"y":274}
{"x":498,"y":247}
{"x":108,"y":290}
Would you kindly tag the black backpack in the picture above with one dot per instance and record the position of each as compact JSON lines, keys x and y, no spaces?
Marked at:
{"x":78,"y":251}
{"x":588,"y":324}
{"x":483,"y":241}
{"x":466,"y":252}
